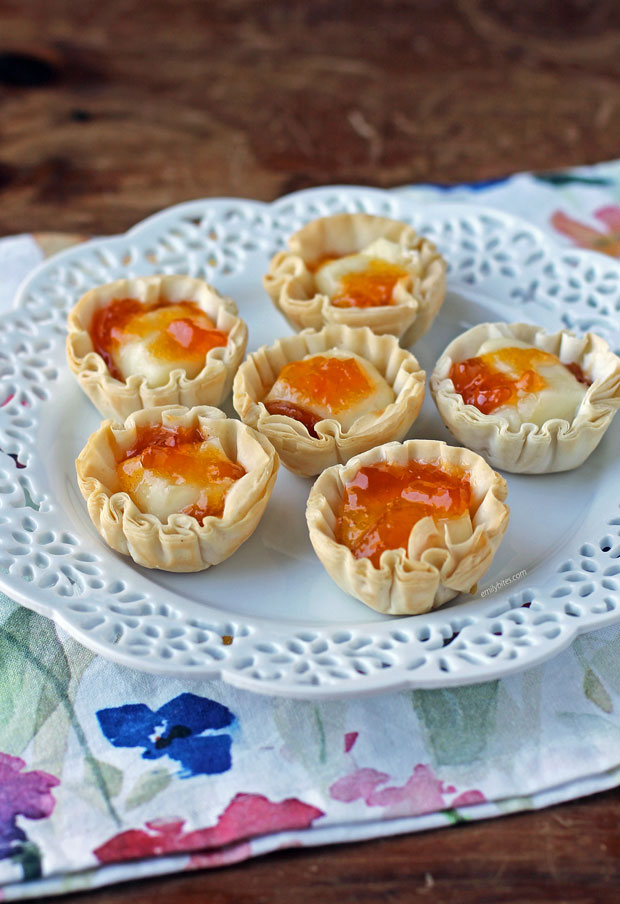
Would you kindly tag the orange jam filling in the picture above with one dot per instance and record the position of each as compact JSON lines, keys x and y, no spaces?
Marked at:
{"x":183,"y":330}
{"x":481,"y":384}
{"x":370,"y":288}
{"x":180,"y":455}
{"x":382,"y":503}
{"x":335,"y":384}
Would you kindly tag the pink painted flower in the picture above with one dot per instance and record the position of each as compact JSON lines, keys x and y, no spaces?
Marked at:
{"x":421,"y":793}
{"x":21,"y":794}
{"x":586,"y":236}
{"x":469,"y":797}
{"x":245,"y":817}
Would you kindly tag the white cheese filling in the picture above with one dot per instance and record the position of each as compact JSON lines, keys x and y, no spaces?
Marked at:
{"x":560,"y":398}
{"x":329,"y":275}
{"x":139,"y":352}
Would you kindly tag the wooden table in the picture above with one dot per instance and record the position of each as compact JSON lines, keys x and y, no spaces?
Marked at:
{"x":113,"y":110}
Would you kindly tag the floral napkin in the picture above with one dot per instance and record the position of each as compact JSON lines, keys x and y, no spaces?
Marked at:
{"x":108,"y":774}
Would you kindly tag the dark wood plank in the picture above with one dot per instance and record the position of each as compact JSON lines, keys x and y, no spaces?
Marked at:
{"x":112,"y":113}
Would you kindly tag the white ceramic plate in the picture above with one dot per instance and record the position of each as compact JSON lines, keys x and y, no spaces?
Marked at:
{"x":293,"y":631}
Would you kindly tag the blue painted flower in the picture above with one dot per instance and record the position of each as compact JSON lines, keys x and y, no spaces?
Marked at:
{"x":177,"y":729}
{"x":478,"y":185}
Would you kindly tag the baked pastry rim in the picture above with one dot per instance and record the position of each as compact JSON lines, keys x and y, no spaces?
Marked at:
{"x":117,"y":398}
{"x":409,"y":318}
{"x":558,"y":444}
{"x":143,"y":535}
{"x":402,"y":585}
{"x":307,"y":455}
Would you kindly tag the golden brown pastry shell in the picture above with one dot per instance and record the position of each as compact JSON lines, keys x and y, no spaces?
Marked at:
{"x":291,"y":286}
{"x":117,"y":398}
{"x":442,"y":559}
{"x":556,"y":446}
{"x":181,"y":544}
{"x":307,"y":455}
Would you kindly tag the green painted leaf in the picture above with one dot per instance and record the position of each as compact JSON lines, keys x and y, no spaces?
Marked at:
{"x":34,"y":678}
{"x":97,"y":772}
{"x":28,"y":856}
{"x":36,"y":689}
{"x":321,"y":733}
{"x":599,"y":729}
{"x":595,"y":691}
{"x":147,"y":787}
{"x":456,"y":722}
{"x":454,"y":817}
{"x":600,"y":653}
{"x":313,"y":734}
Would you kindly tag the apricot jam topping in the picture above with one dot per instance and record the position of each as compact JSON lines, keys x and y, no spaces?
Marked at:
{"x":331,"y":383}
{"x":180,"y":456}
{"x":369,"y":288}
{"x":179,"y":330}
{"x":382,"y":502}
{"x":479,"y":381}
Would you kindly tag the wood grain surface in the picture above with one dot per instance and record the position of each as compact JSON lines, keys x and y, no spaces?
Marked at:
{"x":110,"y":111}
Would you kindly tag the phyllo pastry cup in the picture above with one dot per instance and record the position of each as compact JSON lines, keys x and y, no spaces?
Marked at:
{"x":442,"y":558}
{"x":180,"y":542}
{"x":294,"y":284}
{"x":507,"y":439}
{"x":117,"y":396}
{"x":395,"y":368}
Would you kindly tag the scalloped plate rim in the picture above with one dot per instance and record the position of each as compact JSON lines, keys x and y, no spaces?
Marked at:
{"x":375,"y":682}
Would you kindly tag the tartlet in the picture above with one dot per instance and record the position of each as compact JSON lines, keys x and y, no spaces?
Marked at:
{"x":116,"y":394}
{"x":443,"y":557}
{"x":294,"y":286}
{"x":181,"y":541}
{"x":546,"y":442}
{"x":301,"y":452}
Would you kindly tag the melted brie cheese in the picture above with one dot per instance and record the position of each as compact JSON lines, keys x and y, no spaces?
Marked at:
{"x":156,"y":342}
{"x":345,"y":392}
{"x":329,"y":276}
{"x":192,"y":478}
{"x":559,"y":398}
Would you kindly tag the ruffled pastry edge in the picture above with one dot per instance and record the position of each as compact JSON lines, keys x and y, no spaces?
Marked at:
{"x":117,"y":399}
{"x":556,"y":446}
{"x":291,"y":287}
{"x":442,"y":559}
{"x":306,"y":455}
{"x":181,"y":544}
